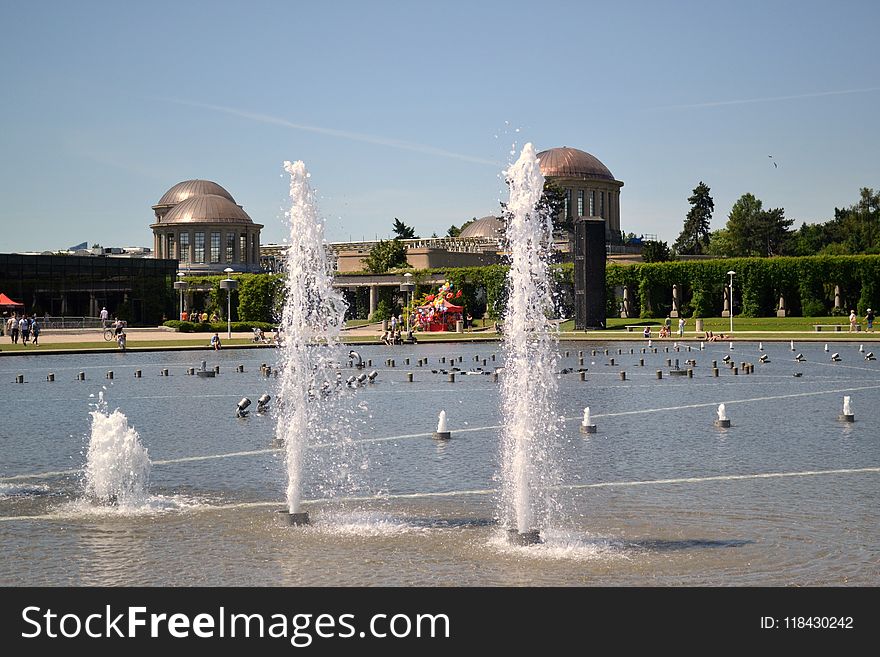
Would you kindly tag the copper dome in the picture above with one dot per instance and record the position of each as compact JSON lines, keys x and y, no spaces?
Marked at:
{"x":208,"y":208}
{"x":189,"y":188}
{"x":568,"y":162}
{"x":491,"y":227}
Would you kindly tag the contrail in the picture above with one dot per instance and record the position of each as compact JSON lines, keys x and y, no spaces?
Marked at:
{"x":333,"y":132}
{"x":767,"y":99}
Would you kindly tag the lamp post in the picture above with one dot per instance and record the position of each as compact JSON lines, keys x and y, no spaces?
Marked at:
{"x":180,"y":285}
{"x":731,"y":273}
{"x":229,"y":284}
{"x":408,"y":287}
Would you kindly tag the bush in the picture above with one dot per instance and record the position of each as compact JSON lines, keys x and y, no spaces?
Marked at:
{"x":217,"y":327}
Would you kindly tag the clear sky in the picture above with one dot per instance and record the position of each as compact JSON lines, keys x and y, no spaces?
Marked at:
{"x":410,"y":109}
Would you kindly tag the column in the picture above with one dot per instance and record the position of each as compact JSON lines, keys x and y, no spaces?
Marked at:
{"x":674,"y":312}
{"x":374,"y":298}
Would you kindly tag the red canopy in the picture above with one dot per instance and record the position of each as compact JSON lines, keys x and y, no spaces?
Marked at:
{"x":6,"y":301}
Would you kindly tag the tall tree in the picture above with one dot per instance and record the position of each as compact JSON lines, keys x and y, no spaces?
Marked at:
{"x":754,"y":231}
{"x":694,"y":237}
{"x":403,"y":231}
{"x":387,"y":254}
{"x":655,"y":251}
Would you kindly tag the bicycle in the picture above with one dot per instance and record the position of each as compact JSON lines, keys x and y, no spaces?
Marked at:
{"x":109,"y":333}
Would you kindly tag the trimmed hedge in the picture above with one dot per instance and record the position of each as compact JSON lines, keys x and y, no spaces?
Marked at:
{"x":217,"y":327}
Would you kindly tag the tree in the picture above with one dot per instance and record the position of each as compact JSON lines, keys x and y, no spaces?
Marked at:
{"x":403,"y":231}
{"x":694,"y":237}
{"x":655,"y":251}
{"x":387,"y":254}
{"x":754,"y":231}
{"x":719,"y":243}
{"x":454,"y":231}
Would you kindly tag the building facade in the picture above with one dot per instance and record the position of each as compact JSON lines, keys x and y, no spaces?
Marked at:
{"x":199,"y":224}
{"x":591,"y":190}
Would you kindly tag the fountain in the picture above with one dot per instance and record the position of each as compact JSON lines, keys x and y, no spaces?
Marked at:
{"x":529,"y":387}
{"x":442,"y":432}
{"x":722,"y":421}
{"x":311,"y":322}
{"x":847,"y":415}
{"x":117,"y":465}
{"x":587,"y":425}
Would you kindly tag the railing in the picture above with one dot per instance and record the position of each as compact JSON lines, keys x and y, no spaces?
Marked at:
{"x":70,"y":322}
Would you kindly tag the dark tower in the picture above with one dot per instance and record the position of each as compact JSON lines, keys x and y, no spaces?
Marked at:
{"x":589,"y":273}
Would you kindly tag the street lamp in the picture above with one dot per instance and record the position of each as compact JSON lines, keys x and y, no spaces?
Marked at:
{"x":180,"y":285}
{"x":408,"y":287}
{"x":229,"y":284}
{"x":731,"y":273}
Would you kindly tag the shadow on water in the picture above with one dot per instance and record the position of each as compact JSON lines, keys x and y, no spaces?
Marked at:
{"x":449,"y":523}
{"x":662,"y":545}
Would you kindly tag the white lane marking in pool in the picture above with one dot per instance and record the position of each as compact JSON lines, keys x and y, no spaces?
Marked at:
{"x":492,"y":491}
{"x":208,"y":457}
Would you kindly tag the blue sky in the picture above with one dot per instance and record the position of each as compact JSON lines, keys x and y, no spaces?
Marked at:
{"x":411,"y":109}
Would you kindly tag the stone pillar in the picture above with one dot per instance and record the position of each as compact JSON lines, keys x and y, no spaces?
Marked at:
{"x":781,"y":311}
{"x":674,"y":312}
{"x":626,"y":303}
{"x":837,"y":304}
{"x":726,"y":311}
{"x":374,"y":298}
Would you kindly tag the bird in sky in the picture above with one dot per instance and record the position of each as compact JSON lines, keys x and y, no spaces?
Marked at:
{"x":775,"y":166}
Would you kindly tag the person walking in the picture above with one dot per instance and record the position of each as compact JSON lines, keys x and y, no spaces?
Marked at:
{"x":869,"y":318}
{"x":104,"y":317}
{"x":12,"y":328}
{"x":681,"y":323}
{"x":24,"y":329}
{"x":852,"y":321}
{"x":35,"y":330}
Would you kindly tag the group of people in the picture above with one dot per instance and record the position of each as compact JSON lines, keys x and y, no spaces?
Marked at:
{"x":666,"y":330}
{"x":394,"y":333}
{"x":24,"y":328}
{"x":854,"y":320}
{"x":196,"y":316}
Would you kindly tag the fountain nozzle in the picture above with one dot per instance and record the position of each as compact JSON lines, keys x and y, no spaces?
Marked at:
{"x":241,"y":410}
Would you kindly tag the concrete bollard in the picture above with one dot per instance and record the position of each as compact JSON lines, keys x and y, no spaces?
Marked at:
{"x":110,"y":374}
{"x":580,"y":361}
{"x":191,"y":371}
{"x":409,"y":377}
{"x":715,"y":363}
{"x":81,"y":376}
{"x":641,"y":362}
{"x":690,"y":374}
{"x":406,"y":361}
{"x":659,"y":374}
{"x":442,"y":359}
{"x":19,"y":378}
{"x":619,"y":352}
{"x":566,"y":354}
{"x":369,"y":362}
{"x":164,"y":372}
{"x":216,"y":370}
{"x":452,"y":377}
{"x":623,"y":376}
{"x":240,"y":369}
{"x":583,"y":376}
{"x":606,"y":352}
{"x":493,"y":357}
{"x":612,"y":362}
{"x":668,"y":362}
{"x":581,"y":354}
{"x":484,"y":362}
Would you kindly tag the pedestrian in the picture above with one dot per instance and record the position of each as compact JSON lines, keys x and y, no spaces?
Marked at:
{"x":120,"y":339}
{"x":12,"y":328}
{"x":681,"y":323}
{"x":24,"y":329}
{"x":869,"y":318}
{"x":668,"y":324}
{"x":35,"y":329}
{"x":104,"y":316}
{"x":852,"y":321}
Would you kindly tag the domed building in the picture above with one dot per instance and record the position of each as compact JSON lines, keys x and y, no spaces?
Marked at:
{"x":590,"y":188}
{"x":199,"y":224}
{"x":489,"y":227}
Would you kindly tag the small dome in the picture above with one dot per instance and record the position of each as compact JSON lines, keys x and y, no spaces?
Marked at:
{"x":189,"y":188}
{"x":568,"y":162}
{"x":209,"y":209}
{"x":490,"y":227}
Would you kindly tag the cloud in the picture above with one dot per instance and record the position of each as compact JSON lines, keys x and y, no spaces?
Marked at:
{"x":767,"y":99}
{"x":333,"y":132}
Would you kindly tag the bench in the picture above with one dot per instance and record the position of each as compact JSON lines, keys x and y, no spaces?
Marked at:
{"x":640,"y":327}
{"x":834,"y":327}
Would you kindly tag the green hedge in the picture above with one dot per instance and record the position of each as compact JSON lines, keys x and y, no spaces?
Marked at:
{"x":217,"y":327}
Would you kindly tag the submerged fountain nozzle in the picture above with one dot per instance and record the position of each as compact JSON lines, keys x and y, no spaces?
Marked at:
{"x":870,"y":356}
{"x":297,"y":519}
{"x":723,"y":421}
{"x":847,"y":415}
{"x":263,"y":403}
{"x":835,"y":357}
{"x":361,"y":377}
{"x":357,"y":361}
{"x":530,"y":537}
{"x":241,"y":410}
{"x":372,"y":376}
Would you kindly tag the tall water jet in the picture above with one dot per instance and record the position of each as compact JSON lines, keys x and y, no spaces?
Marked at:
{"x":528,"y":386}
{"x":443,"y":432}
{"x":311,"y":323}
{"x":117,"y":464}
